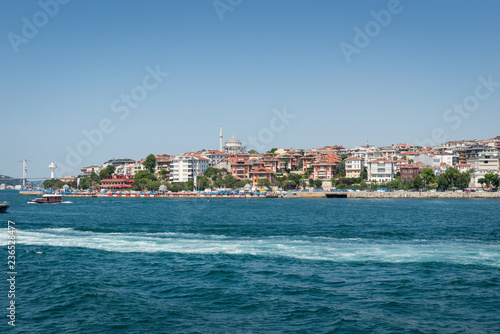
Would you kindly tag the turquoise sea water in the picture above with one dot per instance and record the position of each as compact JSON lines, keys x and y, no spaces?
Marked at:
{"x":255,"y":266}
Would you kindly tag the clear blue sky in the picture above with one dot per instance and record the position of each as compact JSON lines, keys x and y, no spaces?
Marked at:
{"x":263,"y":55}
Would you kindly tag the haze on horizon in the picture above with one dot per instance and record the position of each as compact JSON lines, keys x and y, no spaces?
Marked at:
{"x":164,"y":76}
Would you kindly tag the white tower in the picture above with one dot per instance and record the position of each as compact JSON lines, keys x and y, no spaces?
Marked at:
{"x":220,"y":140}
{"x":52,"y":167}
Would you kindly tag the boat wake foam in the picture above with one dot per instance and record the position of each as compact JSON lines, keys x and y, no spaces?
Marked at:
{"x":309,"y":248}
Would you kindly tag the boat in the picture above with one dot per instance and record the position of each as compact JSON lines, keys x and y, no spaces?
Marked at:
{"x":4,"y":206}
{"x":48,"y":199}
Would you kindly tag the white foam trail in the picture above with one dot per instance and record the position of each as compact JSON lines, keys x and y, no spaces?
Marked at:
{"x":321,"y":248}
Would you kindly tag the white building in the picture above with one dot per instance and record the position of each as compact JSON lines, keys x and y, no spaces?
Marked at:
{"x":90,"y":169}
{"x":488,"y":160}
{"x":449,"y":159}
{"x":214,"y":157}
{"x":475,"y":176}
{"x":380,"y":170}
{"x":361,"y":151}
{"x":186,"y":167}
{"x":354,"y":166}
{"x":129,"y":169}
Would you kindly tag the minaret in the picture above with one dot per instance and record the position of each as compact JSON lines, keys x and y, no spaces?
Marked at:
{"x":220,"y":139}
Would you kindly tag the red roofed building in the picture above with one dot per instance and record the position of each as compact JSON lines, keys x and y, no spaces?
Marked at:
{"x":261,"y":173}
{"x":409,"y":172}
{"x":240,"y":167}
{"x":308,"y":160}
{"x":462,"y":167}
{"x":270,"y":162}
{"x":164,"y":161}
{"x":324,"y":168}
{"x":400,"y":163}
{"x":117,"y":182}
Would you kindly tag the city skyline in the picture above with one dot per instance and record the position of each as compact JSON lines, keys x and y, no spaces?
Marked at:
{"x":163,"y":77}
{"x":54,"y":168}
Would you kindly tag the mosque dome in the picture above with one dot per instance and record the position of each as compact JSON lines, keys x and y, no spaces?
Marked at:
{"x":233,"y":146}
{"x":233,"y":142}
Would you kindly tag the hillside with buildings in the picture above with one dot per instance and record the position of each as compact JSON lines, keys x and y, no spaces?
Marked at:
{"x":312,"y":167}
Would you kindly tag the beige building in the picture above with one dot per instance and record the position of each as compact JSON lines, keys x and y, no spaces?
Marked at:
{"x":353,"y":167}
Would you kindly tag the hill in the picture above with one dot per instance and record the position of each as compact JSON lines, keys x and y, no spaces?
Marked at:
{"x":9,"y":181}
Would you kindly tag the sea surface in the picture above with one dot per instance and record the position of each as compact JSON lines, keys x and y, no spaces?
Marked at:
{"x":254,"y":266}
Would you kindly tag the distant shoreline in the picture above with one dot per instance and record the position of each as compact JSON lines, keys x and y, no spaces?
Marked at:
{"x":357,"y":195}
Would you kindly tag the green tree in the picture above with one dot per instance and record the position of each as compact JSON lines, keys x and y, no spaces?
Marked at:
{"x":47,"y":184}
{"x":364,"y":174}
{"x":94,"y":177}
{"x":341,"y":168}
{"x":203,"y":182}
{"x":318,"y":183}
{"x":142,"y":179}
{"x":491,"y":180}
{"x":451,"y":175}
{"x":145,"y":174}
{"x":230,"y":181}
{"x":85,"y":182}
{"x":109,"y":170}
{"x":311,"y":183}
{"x":53,"y":184}
{"x":252,"y":151}
{"x":271,"y":151}
{"x":263,"y":183}
{"x":153,"y":185}
{"x":242,"y":183}
{"x":495,"y":181}
{"x":150,"y":163}
{"x":162,"y":174}
{"x":482,"y":182}
{"x":295,"y":178}
{"x":463,"y":180}
{"x":394,"y":184}
{"x":428,"y":176}
{"x":443,"y":183}
{"x":210,"y":171}
{"x":418,"y":182}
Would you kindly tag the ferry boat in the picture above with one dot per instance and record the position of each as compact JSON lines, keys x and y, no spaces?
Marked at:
{"x":48,"y":199}
{"x":4,"y":206}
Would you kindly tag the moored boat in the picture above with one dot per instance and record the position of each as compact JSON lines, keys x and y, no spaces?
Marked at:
{"x":48,"y":199}
{"x":4,"y":206}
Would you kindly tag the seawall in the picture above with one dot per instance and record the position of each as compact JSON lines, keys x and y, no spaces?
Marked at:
{"x":356,"y":194}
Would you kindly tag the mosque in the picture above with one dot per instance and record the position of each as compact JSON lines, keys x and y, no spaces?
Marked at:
{"x":233,"y":145}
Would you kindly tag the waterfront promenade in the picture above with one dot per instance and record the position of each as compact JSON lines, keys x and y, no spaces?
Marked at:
{"x":321,"y":194}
